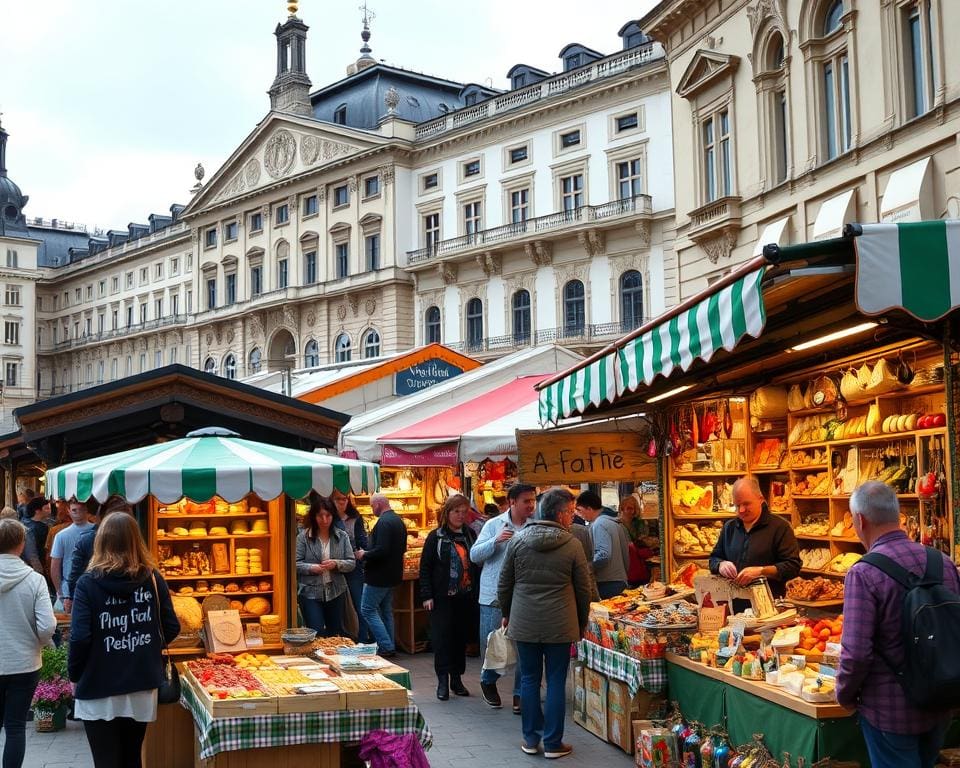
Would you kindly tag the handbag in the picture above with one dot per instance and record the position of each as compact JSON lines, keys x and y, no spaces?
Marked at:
{"x":501,"y":652}
{"x":169,"y":690}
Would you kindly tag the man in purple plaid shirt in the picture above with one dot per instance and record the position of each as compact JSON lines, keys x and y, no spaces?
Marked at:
{"x":898,"y":735}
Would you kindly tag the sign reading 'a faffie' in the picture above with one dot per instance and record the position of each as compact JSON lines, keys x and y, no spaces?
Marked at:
{"x":574,"y":457}
{"x":424,"y":375}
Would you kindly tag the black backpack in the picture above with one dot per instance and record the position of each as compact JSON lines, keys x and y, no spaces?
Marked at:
{"x":930,"y":674}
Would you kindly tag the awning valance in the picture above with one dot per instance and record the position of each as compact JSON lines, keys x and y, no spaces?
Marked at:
{"x":717,"y":320}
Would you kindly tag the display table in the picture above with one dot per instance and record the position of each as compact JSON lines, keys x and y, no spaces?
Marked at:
{"x":647,"y":674}
{"x":788,"y":723}
{"x":265,"y":732}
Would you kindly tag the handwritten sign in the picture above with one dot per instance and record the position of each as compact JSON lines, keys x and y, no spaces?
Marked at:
{"x":573,"y":457}
{"x":424,"y":375}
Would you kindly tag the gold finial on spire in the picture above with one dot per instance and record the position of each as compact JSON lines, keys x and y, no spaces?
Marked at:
{"x":292,"y":7}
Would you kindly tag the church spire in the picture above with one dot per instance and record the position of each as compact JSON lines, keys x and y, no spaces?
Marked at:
{"x":290,"y":91}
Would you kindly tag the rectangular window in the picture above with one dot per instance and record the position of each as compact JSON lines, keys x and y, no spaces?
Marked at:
{"x":158,"y":271}
{"x":173,"y":355}
{"x":11,"y":296}
{"x":571,"y":62}
{"x":310,"y":205}
{"x":157,"y":358}
{"x":158,"y":308}
{"x":845,"y":123}
{"x":230,"y":230}
{"x":113,"y":369}
{"x":371,"y":247}
{"x":471,"y":168}
{"x":709,"y":161}
{"x":628,"y":122}
{"x":129,"y":281}
{"x":11,"y":332}
{"x":130,"y":316}
{"x":256,"y":280}
{"x":340,"y":115}
{"x":211,"y":293}
{"x":10,"y":375}
{"x":175,"y":304}
{"x":143,"y":313}
{"x":343,"y":260}
{"x":569,"y":139}
{"x":726,"y":161}
{"x":76,"y":330}
{"x":174,"y":266}
{"x":780,"y":134}
{"x":310,"y":261}
{"x":431,"y":230}
{"x":341,"y":196}
{"x":371,"y":186}
{"x":87,"y":326}
{"x":282,"y":273}
{"x":472,"y":220}
{"x":11,"y":258}
{"x":101,"y":319}
{"x":571,"y":192}
{"x":519,"y":154}
{"x":519,"y":206}
{"x":102,"y":287}
{"x":629,"y":179}
{"x":114,"y":319}
{"x":114,"y":284}
{"x":77,"y":295}
{"x":519,"y":81}
{"x":283,"y":214}
{"x":231,"y":286}
{"x":189,"y":302}
{"x":830,"y":110}
{"x":210,"y":238}
{"x":143,"y":362}
{"x":431,"y":181}
{"x":256,"y":222}
{"x":89,"y":292}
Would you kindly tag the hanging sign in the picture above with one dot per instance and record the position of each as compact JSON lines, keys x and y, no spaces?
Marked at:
{"x":424,"y":375}
{"x":442,"y":455}
{"x":573,"y":457}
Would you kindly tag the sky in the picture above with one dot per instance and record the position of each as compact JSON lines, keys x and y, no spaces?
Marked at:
{"x":110,"y":104}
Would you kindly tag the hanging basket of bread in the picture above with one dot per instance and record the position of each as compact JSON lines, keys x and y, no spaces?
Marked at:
{"x":824,"y":391}
{"x":850,"y":386}
{"x":883,"y":378}
{"x":795,"y":398}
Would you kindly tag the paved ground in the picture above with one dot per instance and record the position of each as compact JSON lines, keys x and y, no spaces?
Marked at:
{"x":466,"y":732}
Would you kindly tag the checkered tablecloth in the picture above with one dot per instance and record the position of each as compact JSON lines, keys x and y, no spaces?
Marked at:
{"x":226,"y":734}
{"x":648,"y":674}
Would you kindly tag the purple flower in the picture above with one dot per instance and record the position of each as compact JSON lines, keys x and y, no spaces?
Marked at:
{"x":50,"y":694}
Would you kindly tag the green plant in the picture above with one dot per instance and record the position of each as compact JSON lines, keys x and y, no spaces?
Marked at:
{"x":54,"y":663}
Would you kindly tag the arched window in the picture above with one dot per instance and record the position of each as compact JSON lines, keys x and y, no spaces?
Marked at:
{"x":432,"y":325}
{"x":474,"y":323}
{"x":835,"y":114}
{"x":832,"y":17}
{"x":210,"y":366}
{"x":371,"y":344}
{"x":521,"y":316}
{"x":311,"y":354}
{"x":230,"y":366}
{"x":631,"y":300}
{"x":774,"y":92}
{"x":778,"y":54}
{"x":256,"y":358}
{"x":342,"y":348}
{"x":574,"y":308}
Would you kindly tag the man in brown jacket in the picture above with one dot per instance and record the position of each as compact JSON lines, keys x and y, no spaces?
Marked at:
{"x":544,"y":595}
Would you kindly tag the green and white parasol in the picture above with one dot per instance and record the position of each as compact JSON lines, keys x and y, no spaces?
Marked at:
{"x":208,"y":463}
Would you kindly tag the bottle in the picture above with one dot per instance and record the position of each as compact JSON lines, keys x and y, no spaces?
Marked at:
{"x":690,"y":758}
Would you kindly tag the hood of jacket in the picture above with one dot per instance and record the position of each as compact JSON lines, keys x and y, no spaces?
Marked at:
{"x":120,"y":584}
{"x":544,"y":535}
{"x":12,"y":571}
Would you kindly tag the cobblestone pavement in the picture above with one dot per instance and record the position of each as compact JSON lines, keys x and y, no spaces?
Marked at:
{"x":466,"y":732}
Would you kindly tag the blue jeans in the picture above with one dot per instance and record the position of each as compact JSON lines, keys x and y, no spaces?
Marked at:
{"x":16,"y":691}
{"x":534,"y":720}
{"x":491,"y":619}
{"x":355,"y":585}
{"x":897,"y":750}
{"x":325,"y":616}
{"x":376,"y":608}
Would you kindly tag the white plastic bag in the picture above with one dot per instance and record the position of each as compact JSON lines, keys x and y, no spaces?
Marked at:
{"x":501,"y":653}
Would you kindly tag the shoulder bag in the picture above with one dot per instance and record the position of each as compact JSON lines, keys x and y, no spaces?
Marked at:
{"x":169,"y":690}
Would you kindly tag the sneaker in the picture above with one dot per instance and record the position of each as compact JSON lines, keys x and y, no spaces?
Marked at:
{"x":491,"y":695}
{"x":516,"y":705}
{"x":560,"y":751}
{"x":528,"y":750}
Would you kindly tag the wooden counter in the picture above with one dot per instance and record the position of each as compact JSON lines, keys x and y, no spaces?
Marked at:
{"x":764,"y":691}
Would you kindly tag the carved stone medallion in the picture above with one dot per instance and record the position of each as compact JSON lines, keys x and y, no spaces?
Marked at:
{"x":342,"y":311}
{"x":251,"y":171}
{"x":370,"y":305}
{"x":279,"y":153}
{"x":309,"y":149}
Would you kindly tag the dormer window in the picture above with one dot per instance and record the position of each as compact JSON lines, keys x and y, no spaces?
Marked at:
{"x":340,"y":115}
{"x":571,"y":62}
{"x":519,"y":81}
{"x":470,"y":99}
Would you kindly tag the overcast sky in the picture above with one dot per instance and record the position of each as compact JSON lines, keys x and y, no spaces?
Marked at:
{"x":111,"y":103}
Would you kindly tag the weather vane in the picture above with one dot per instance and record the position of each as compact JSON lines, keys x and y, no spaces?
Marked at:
{"x":368,"y":15}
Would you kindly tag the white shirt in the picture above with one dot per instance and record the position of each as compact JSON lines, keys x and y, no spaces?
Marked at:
{"x":139,"y":705}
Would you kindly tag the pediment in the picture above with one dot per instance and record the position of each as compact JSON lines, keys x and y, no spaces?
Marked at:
{"x":281,"y":147}
{"x":704,"y":69}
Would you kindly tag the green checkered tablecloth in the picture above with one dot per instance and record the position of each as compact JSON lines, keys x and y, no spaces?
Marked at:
{"x":226,"y":734}
{"x":648,"y":674}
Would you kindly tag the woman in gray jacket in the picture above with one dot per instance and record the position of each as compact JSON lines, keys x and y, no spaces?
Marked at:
{"x":324,"y":554}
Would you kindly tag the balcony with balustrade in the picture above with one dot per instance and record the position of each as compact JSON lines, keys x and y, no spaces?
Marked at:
{"x":585,"y":337}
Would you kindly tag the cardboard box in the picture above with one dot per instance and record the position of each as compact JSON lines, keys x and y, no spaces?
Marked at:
{"x":596,"y":686}
{"x":619,"y":721}
{"x":579,"y":696}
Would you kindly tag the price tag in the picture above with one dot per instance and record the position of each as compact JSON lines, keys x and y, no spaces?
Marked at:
{"x":713,"y":619}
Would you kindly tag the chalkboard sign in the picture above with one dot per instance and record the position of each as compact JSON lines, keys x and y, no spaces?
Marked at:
{"x":424,"y":375}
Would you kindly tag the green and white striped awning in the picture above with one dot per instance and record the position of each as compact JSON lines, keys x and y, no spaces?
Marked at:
{"x":718,"y":321}
{"x":211,"y":465}
{"x":913,"y":266}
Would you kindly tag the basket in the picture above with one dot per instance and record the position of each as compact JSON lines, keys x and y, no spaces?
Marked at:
{"x":298,"y":635}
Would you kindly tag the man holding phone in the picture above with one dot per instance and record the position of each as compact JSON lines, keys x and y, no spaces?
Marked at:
{"x":756,"y":543}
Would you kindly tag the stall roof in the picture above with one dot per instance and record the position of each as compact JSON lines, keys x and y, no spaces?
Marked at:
{"x":485,"y":426}
{"x":363,"y":432}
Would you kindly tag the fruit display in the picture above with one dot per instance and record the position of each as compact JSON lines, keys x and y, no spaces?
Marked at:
{"x":813,"y":525}
{"x":814,"y":635}
{"x":688,"y":498}
{"x":843,"y":562}
{"x":693,"y":539}
{"x":857,"y":426}
{"x":815,"y":558}
{"x":813,"y":590}
{"x":254,"y":661}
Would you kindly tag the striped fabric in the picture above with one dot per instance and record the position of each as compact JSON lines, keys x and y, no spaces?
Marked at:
{"x":720,"y":320}
{"x":203,"y":467}
{"x":913,"y":266}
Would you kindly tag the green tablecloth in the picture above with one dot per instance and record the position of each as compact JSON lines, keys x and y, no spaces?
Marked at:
{"x":226,"y":734}
{"x":648,"y":674}
{"x":743,"y":714}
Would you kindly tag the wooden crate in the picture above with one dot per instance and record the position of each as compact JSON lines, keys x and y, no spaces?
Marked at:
{"x":310,"y":702}
{"x":263,"y":705}
{"x":388,"y":697}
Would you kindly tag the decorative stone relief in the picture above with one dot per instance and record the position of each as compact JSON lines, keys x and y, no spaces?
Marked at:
{"x":321,"y":194}
{"x":230,"y":336}
{"x":251,"y":172}
{"x":235,"y":186}
{"x":279,"y":153}
{"x":391,"y":100}
{"x":387,"y":174}
{"x":593,"y":242}
{"x":490,"y":263}
{"x":768,"y":9}
{"x":353,"y":300}
{"x":309,"y":149}
{"x":255,"y":325}
{"x":265,"y":210}
{"x":540,"y":252}
{"x":218,"y":332}
{"x":342,"y":311}
{"x":290,"y":315}
{"x":567,"y":272}
{"x":720,"y":247}
{"x":311,"y":318}
{"x":370,"y":306}
{"x":448,"y":272}
{"x":209,"y":338}
{"x":476,"y":290}
{"x":643,"y":233}
{"x":143,"y":343}
{"x":352,"y":184}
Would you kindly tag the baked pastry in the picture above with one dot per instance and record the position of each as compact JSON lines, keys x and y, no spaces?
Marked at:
{"x":218,"y":530}
{"x":203,"y":586}
{"x":218,"y":588}
{"x":264,"y":586}
{"x":236,"y":605}
{"x":180,"y":531}
{"x":185,"y":591}
{"x":232,"y":586}
{"x":249,"y":586}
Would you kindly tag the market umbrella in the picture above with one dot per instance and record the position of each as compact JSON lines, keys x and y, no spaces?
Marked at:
{"x":211,"y":462}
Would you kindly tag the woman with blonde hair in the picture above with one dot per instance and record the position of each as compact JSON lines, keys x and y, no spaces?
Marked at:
{"x":449,"y":588}
{"x":122,"y":618}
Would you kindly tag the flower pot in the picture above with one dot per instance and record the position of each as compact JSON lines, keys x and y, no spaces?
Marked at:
{"x":50,"y":720}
